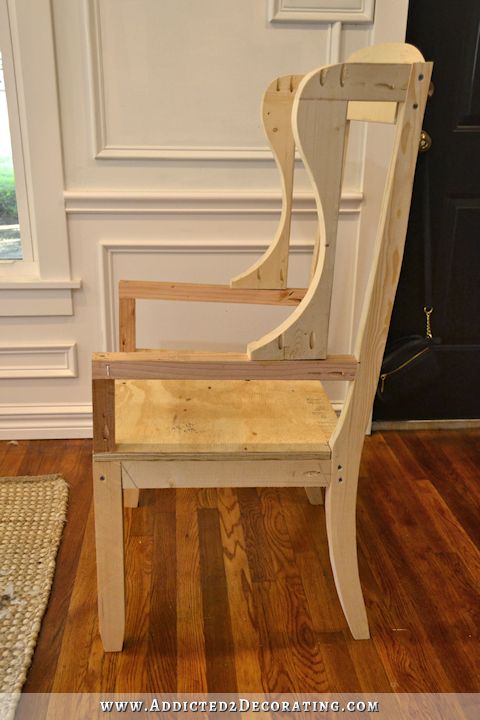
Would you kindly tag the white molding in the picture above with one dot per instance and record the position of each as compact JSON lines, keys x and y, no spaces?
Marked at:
{"x":45,"y":360}
{"x":321,"y":11}
{"x":103,"y":150}
{"x":334,"y":43}
{"x":38,"y":284}
{"x":45,"y":421}
{"x":183,"y":152}
{"x":205,"y":202}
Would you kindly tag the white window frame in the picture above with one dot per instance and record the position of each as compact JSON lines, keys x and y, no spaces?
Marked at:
{"x":17,"y":148}
{"x":40,"y":283}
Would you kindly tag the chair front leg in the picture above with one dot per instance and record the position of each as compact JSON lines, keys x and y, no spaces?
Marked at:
{"x":108,"y":506}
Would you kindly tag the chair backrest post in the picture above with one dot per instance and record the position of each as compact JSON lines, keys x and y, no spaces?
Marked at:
{"x":387,"y":261}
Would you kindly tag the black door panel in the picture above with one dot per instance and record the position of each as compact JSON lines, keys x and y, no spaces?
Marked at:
{"x":449,"y":34}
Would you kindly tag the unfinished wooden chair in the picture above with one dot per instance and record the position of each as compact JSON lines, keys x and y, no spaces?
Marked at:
{"x":166,"y":419}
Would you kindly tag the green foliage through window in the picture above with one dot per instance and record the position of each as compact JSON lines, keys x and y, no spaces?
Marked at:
{"x":10,"y":244}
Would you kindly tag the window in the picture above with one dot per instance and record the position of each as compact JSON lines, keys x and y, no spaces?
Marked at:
{"x":35,"y":270}
{"x":15,"y":229}
{"x":10,"y":243}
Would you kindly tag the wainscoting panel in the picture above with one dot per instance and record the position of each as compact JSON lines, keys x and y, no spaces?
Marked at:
{"x":46,"y":360}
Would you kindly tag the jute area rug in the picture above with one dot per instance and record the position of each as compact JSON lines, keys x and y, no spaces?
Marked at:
{"x":32,"y":514}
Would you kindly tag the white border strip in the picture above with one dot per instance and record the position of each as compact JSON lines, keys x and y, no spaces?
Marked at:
{"x":322,"y":11}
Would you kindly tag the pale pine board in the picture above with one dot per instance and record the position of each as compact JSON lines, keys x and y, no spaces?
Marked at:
{"x":223,"y":416}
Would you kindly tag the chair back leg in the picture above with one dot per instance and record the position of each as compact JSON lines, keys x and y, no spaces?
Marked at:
{"x":340,"y":516}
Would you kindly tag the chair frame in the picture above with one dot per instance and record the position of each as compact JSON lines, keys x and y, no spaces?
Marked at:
{"x":321,"y":104}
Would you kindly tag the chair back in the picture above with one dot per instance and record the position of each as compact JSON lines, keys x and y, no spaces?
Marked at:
{"x":323,"y":103}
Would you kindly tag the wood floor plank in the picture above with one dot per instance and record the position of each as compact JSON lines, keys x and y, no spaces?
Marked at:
{"x":341,"y":655}
{"x":288,"y":615}
{"x":260,"y":558}
{"x":258,"y":550}
{"x":447,"y":463}
{"x":162,"y":648}
{"x":191,"y":663}
{"x":398,"y":632}
{"x":82,"y":665}
{"x":74,"y":466}
{"x":350,"y":664}
{"x":405,"y":534}
{"x":243,"y":616}
{"x":11,"y":456}
{"x":219,"y":646}
{"x":131,"y":669}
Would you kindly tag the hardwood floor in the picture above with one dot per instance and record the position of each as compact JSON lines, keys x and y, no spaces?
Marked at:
{"x":231,"y":590}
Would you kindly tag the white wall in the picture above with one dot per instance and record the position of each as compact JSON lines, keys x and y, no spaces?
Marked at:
{"x":166,"y":176}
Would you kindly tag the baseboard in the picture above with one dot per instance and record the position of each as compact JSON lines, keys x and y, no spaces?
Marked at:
{"x":47,"y":421}
{"x":447,"y":424}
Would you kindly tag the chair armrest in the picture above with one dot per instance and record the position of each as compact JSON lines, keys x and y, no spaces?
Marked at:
{"x":129,"y":291}
{"x":199,"y":292}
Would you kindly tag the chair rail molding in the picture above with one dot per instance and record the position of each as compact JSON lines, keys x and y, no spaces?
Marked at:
{"x":214,"y":202}
{"x":321,"y":11}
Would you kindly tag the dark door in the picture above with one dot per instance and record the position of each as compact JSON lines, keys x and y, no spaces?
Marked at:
{"x":449,"y":34}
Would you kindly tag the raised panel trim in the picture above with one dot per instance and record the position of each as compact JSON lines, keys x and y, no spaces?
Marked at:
{"x":172,"y":152}
{"x":207,"y":202}
{"x":35,"y":360}
{"x":321,"y":11}
{"x":103,"y":150}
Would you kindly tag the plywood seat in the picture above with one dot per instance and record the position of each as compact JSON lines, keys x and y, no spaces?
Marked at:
{"x":223,"y":416}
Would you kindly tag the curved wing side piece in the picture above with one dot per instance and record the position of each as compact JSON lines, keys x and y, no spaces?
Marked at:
{"x":271,"y":269}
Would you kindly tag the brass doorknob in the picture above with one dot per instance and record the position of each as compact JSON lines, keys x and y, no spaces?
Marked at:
{"x":425,"y":142}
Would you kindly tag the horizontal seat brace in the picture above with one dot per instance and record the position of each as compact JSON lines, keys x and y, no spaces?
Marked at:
{"x":170,"y":365}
